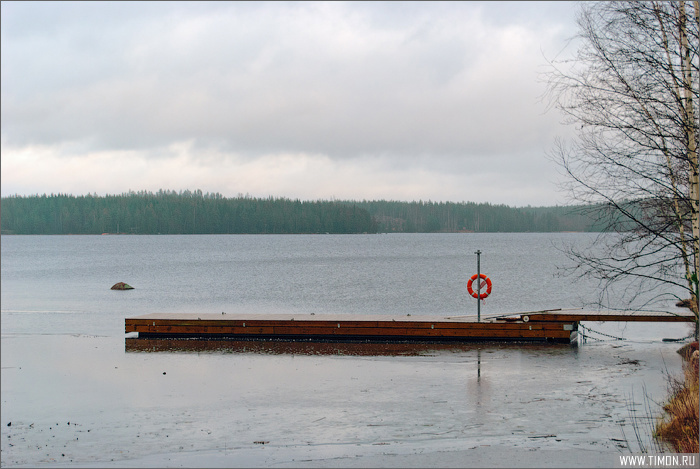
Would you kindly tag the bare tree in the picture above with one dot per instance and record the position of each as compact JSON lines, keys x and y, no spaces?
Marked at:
{"x":632,"y":93}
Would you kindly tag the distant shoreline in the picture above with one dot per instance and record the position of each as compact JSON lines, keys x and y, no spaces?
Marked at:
{"x":168,"y":212}
{"x":292,"y":234}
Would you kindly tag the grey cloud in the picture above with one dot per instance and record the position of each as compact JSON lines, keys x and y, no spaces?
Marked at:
{"x":343,"y":80}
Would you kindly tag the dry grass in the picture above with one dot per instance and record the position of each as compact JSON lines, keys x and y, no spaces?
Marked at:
{"x":680,"y":428}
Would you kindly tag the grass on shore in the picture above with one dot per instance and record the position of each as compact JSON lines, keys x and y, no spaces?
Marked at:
{"x":680,"y":428}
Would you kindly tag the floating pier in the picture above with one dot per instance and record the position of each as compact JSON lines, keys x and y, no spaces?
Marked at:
{"x":557,"y":326}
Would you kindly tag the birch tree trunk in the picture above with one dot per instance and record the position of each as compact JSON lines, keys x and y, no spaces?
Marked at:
{"x":692,"y":134}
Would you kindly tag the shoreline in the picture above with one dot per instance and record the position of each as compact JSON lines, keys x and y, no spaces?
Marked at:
{"x":678,"y":425}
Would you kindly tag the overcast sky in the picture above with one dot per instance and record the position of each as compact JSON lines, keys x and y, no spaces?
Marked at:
{"x":401,"y":101}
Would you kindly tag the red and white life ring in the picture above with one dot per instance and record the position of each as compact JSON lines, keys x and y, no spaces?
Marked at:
{"x":474,"y":293}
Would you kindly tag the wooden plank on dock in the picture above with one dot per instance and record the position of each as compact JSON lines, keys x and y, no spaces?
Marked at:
{"x":619,"y":316}
{"x":345,"y":327}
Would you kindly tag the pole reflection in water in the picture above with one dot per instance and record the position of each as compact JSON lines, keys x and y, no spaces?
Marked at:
{"x":477,"y":388}
{"x":478,"y":364}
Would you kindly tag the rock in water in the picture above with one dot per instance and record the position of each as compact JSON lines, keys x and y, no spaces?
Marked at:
{"x":122,"y":286}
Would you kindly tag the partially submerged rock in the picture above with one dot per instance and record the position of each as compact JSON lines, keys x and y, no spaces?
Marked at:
{"x":122,"y":286}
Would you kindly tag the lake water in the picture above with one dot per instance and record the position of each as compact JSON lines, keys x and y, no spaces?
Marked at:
{"x":74,"y":394}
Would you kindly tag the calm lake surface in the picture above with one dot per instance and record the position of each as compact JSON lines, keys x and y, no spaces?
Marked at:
{"x":73,"y":394}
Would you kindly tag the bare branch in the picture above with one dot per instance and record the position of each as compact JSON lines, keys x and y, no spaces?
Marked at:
{"x":632,"y":92}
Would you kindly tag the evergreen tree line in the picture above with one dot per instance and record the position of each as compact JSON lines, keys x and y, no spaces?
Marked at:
{"x":429,"y":217}
{"x":169,"y":212}
{"x":187,"y":212}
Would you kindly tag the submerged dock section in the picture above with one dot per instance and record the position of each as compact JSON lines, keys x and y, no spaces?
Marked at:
{"x":558,"y":326}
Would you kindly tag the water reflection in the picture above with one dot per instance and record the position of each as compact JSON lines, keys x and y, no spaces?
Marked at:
{"x":478,"y":362}
{"x":277,"y":347}
{"x":478,"y":387}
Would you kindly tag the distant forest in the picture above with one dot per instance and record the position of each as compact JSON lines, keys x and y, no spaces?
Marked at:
{"x":192,"y":212}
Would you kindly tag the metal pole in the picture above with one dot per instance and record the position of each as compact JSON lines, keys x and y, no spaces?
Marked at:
{"x":478,"y":285}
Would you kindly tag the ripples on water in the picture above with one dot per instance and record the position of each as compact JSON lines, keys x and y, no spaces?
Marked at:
{"x":368,"y":274}
{"x":398,"y":274}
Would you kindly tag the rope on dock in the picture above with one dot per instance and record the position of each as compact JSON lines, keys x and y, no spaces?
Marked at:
{"x":584,"y":328}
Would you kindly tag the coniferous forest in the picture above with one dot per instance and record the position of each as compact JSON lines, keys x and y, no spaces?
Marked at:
{"x":192,"y":212}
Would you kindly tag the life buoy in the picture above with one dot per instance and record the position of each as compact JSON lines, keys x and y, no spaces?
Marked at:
{"x":475,"y":294}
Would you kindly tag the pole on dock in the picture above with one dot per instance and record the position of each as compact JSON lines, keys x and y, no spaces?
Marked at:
{"x":478,"y":285}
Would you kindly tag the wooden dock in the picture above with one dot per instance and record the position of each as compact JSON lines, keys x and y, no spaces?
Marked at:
{"x":558,"y":326}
